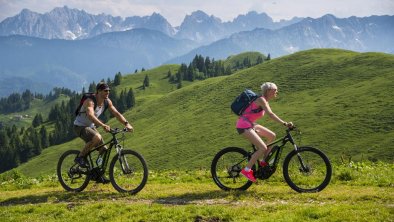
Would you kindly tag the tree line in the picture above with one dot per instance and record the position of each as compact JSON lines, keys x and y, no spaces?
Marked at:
{"x":19,"y":145}
{"x":202,"y":68}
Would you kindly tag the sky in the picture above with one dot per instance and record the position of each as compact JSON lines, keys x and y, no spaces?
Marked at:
{"x":176,"y":10}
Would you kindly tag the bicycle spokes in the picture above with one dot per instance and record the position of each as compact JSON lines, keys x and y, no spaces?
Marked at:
{"x":70,"y":175}
{"x":226,"y":168}
{"x":128,"y":172}
{"x":125,"y":165}
{"x":303,"y":168}
{"x":307,"y":170}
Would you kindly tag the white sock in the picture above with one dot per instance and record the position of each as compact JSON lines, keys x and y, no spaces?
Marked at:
{"x":247,"y":169}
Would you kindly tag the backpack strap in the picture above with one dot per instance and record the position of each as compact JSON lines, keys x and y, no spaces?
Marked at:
{"x":93,"y":97}
{"x":106,"y":105}
{"x":84,"y":98}
{"x":259,"y":109}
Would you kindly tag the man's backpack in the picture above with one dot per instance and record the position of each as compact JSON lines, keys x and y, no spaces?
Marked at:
{"x":242,"y":101}
{"x":91,"y":96}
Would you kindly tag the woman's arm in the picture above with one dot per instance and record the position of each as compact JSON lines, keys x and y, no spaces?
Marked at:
{"x":264,"y":104}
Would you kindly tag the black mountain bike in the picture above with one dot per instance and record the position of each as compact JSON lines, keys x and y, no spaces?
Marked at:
{"x":305,"y":169}
{"x":128,"y":171}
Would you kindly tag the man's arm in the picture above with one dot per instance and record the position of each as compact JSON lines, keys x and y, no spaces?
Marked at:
{"x":119,"y":116}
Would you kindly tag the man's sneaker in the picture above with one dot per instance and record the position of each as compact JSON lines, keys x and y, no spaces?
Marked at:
{"x":248,"y":175}
{"x":263,"y":163}
{"x":81,"y":161}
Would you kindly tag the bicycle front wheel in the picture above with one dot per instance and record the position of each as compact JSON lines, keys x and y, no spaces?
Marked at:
{"x":128,"y":172}
{"x":226,"y":169}
{"x":70,"y":175}
{"x":307,"y":170}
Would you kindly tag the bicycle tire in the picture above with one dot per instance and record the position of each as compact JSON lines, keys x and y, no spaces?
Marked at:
{"x":72,"y":177}
{"x":132,"y":176}
{"x":316,"y":174}
{"x":226,"y":167}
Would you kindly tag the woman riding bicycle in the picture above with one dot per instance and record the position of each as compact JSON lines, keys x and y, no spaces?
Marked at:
{"x":253,"y":132}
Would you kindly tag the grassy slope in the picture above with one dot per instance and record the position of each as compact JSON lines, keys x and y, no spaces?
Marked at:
{"x":342,"y":101}
{"x":37,"y":106}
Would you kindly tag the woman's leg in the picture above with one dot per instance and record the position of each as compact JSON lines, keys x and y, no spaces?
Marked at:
{"x":255,"y":139}
{"x":266,"y":133}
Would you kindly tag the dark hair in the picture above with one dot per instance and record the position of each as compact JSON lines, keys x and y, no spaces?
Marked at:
{"x":102,"y":86}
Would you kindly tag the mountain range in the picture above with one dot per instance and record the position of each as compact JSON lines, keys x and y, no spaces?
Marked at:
{"x":70,"y":47}
{"x":73,"y":24}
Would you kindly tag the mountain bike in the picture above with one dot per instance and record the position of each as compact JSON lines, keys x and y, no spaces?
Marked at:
{"x":305,"y":169}
{"x":128,"y":171}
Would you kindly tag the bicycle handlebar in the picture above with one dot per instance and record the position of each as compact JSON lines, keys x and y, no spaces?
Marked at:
{"x":291,"y":128}
{"x":117,"y":130}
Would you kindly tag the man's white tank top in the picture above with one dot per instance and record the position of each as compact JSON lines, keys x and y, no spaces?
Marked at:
{"x":83,"y":120}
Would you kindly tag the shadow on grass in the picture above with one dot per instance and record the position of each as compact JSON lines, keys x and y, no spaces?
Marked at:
{"x":206,"y":198}
{"x":61,"y":197}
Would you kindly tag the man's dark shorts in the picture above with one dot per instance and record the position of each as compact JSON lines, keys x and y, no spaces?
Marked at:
{"x":85,"y":132}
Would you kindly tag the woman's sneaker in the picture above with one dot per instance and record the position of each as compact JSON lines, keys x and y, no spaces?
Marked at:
{"x":249,"y":175}
{"x":263,"y":163}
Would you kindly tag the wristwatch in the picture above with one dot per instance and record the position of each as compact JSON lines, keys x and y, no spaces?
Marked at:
{"x":126,"y":122}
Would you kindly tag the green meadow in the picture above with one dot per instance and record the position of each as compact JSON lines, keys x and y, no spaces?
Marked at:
{"x":340,"y":100}
{"x":357,"y":192}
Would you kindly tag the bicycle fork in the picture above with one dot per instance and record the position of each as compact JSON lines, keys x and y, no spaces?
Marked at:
{"x":123,"y":161}
{"x":303,"y":167}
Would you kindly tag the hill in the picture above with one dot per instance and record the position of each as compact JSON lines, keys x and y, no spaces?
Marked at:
{"x":341,"y":100}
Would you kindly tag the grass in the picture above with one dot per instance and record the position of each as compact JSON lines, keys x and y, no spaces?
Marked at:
{"x":192,"y":196}
{"x":36,"y":106}
{"x":341,"y":101}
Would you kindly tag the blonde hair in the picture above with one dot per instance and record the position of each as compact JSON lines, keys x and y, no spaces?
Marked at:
{"x":266,"y":86}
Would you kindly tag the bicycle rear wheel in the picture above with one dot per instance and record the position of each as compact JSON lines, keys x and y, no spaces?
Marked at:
{"x":128,"y":172}
{"x":307,"y":170}
{"x":226,"y":169}
{"x":70,"y":175}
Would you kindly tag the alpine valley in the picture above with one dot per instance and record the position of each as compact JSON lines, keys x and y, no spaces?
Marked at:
{"x":70,"y":47}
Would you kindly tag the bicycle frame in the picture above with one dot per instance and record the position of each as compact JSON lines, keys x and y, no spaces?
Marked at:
{"x":275,"y":154}
{"x":114,"y":142}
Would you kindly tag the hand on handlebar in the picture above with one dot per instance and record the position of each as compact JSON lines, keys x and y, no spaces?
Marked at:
{"x":289,"y":125}
{"x":129,"y":128}
{"x":107,"y":128}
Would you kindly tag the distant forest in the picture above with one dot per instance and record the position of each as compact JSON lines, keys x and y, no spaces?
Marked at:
{"x":19,"y":145}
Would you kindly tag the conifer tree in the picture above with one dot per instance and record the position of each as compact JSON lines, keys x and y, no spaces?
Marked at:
{"x":37,"y":120}
{"x":130,"y":99}
{"x":259,"y":60}
{"x":44,"y":137}
{"x":117,"y":79}
{"x":146,"y":81}
{"x":92,"y":87}
{"x":169,"y":74}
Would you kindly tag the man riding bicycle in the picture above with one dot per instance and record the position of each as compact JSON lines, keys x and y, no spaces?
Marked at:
{"x":88,"y":118}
